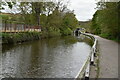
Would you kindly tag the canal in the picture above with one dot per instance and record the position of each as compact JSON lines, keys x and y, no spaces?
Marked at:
{"x":59,"y":57}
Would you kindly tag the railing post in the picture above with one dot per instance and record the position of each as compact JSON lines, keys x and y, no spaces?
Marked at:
{"x":92,"y":58}
{"x":87,"y":72}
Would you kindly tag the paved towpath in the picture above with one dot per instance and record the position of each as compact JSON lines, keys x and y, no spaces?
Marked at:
{"x":108,"y":58}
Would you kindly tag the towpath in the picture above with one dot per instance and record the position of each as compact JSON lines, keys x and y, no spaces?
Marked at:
{"x":108,"y":58}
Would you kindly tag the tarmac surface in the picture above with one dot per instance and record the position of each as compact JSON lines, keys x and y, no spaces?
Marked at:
{"x":108,"y":58}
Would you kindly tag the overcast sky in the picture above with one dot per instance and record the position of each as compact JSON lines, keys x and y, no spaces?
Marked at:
{"x":84,"y":9}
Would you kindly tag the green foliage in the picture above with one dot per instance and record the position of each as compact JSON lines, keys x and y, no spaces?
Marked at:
{"x":55,"y":19}
{"x":43,"y":18}
{"x":95,"y":26}
{"x":85,"y":25}
{"x":105,"y":21}
{"x":70,"y":21}
{"x":5,"y":17}
{"x":52,"y":33}
{"x":66,"y":31}
{"x":8,"y":38}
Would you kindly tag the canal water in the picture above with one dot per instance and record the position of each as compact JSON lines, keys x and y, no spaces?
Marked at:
{"x":60,"y":57}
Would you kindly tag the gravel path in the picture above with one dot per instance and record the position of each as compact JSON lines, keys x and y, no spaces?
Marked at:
{"x":108,"y":58}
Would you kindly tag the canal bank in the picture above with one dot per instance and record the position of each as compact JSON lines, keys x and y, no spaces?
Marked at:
{"x":13,"y":38}
{"x":20,"y":37}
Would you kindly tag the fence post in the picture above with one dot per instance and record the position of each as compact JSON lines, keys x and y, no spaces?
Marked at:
{"x":34,"y":28}
{"x":15,"y":27}
{"x":5,"y":25}
{"x":10,"y":26}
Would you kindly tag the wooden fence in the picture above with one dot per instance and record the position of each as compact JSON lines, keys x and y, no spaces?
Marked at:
{"x":17,"y":27}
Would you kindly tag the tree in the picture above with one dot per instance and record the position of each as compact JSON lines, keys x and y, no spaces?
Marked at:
{"x":105,"y":20}
{"x":4,"y":3}
{"x":38,"y":8}
{"x":50,"y":7}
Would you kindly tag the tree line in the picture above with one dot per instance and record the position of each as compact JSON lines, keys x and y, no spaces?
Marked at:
{"x":53,"y":17}
{"x":106,"y":21}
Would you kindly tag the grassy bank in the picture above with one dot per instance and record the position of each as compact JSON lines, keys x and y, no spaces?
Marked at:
{"x":108,"y":36}
{"x":12,"y":38}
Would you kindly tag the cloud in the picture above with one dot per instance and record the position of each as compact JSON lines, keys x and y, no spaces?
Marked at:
{"x":84,"y":9}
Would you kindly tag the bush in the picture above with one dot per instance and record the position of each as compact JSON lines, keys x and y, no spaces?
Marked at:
{"x":66,"y":31}
{"x":19,"y":37}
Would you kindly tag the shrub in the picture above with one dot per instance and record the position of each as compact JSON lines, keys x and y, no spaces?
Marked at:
{"x":12,"y":38}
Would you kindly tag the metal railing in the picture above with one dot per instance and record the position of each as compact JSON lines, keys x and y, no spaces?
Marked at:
{"x":85,"y":70}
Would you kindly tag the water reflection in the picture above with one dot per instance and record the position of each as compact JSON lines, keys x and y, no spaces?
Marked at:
{"x":59,"y":57}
